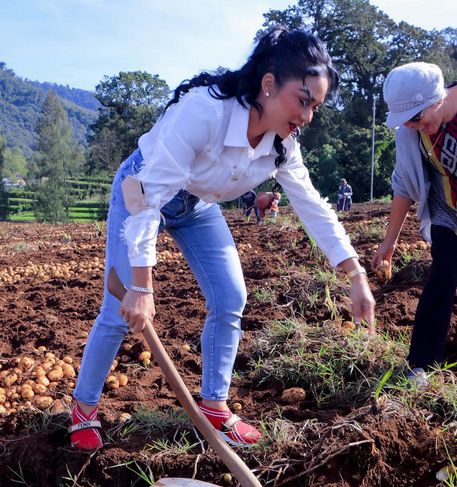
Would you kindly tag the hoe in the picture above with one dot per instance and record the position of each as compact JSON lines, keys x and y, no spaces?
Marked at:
{"x":233,"y":462}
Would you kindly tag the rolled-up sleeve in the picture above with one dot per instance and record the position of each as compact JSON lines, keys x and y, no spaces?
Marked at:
{"x":315,"y":213}
{"x":168,"y":150}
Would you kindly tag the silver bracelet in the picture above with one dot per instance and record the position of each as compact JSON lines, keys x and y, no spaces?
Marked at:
{"x":355,"y":272}
{"x":145,"y":290}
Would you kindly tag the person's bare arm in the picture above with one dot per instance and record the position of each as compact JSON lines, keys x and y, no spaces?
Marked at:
{"x":398,"y":212}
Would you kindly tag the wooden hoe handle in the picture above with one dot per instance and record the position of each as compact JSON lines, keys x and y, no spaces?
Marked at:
{"x":234,"y":463}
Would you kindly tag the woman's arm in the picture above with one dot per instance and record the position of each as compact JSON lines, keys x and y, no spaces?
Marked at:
{"x":398,"y":212}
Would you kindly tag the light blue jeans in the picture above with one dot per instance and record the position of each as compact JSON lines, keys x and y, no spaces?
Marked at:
{"x":202,"y":234}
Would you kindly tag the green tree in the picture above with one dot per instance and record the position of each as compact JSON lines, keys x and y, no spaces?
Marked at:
{"x":57,"y":158}
{"x":327,"y":176}
{"x":131,"y":103}
{"x":15,"y":163}
{"x":365,"y":44}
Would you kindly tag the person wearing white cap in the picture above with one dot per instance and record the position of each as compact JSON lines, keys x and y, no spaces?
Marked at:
{"x":426,"y":173}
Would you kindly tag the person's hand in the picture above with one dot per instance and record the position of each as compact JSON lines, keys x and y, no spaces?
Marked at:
{"x":384,"y":252}
{"x":362,"y":302}
{"x":136,"y":309}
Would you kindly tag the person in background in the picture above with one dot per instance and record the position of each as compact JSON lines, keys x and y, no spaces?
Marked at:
{"x":344,"y":202}
{"x":247,"y":203}
{"x":275,"y":205}
{"x":267,"y":201}
{"x":426,"y":173}
{"x":221,"y":135}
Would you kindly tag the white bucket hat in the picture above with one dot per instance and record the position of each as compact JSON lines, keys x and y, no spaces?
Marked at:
{"x":411,"y":88}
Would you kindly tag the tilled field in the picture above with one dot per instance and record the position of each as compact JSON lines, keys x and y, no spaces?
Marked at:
{"x":51,"y":287}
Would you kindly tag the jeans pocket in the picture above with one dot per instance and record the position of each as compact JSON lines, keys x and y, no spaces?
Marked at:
{"x":176,"y":207}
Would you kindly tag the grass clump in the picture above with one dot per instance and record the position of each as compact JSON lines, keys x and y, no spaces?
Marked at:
{"x":342,"y":368}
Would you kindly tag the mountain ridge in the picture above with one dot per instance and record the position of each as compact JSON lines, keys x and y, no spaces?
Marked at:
{"x":20,"y":108}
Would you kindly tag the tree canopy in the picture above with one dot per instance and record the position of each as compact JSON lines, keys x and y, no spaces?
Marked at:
{"x":57,"y":158}
{"x":365,"y":44}
{"x":131,"y":103}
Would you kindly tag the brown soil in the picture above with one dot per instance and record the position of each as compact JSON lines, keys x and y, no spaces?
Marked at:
{"x":57,"y":313}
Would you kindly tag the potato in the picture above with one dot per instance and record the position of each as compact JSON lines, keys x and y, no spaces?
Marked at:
{"x":123,"y":379}
{"x":67,"y":359}
{"x":2,"y":410}
{"x":68,"y":370}
{"x":27,"y":394}
{"x":384,"y":271}
{"x":144,"y":356}
{"x":49,"y":355}
{"x":2,"y":398}
{"x":10,"y":379}
{"x":114,"y":365}
{"x":236,"y":406}
{"x":47,"y":365}
{"x":43,"y":380}
{"x":123,"y":417}
{"x":112,"y":382}
{"x":41,"y":349}
{"x":227,"y":478}
{"x":58,"y":407}
{"x":126,"y":347}
{"x":26,"y":362}
{"x":348,"y":325}
{"x":39,"y":371}
{"x":55,"y":374}
{"x":39,"y":389}
{"x":43,"y":402}
{"x":293,"y":395}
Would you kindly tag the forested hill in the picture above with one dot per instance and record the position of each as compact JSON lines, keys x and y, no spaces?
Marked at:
{"x":82,"y":98}
{"x":20,"y":107}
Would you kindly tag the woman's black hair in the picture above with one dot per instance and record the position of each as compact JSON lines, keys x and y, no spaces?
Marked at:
{"x":285,"y":54}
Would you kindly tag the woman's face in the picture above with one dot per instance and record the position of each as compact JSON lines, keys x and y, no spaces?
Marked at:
{"x":292,"y":105}
{"x":429,"y":121}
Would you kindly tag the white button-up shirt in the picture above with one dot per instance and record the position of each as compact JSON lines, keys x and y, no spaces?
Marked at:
{"x":201,"y":145}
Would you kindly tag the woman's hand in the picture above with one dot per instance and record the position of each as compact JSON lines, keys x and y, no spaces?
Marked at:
{"x":384,"y":252}
{"x":137,"y":308}
{"x":363,"y":302}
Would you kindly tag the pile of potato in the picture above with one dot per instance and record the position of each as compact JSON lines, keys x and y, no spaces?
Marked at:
{"x":67,"y":270}
{"x":167,"y":256}
{"x":403,"y":247}
{"x":117,"y":379}
{"x":31,"y":382}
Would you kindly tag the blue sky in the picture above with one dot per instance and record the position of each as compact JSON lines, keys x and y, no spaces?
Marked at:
{"x":77,"y":42}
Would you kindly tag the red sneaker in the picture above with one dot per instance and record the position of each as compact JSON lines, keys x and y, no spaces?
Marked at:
{"x":84,"y":434}
{"x":230,"y":427}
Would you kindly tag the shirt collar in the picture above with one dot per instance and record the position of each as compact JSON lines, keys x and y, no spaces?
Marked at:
{"x":238,"y":129}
